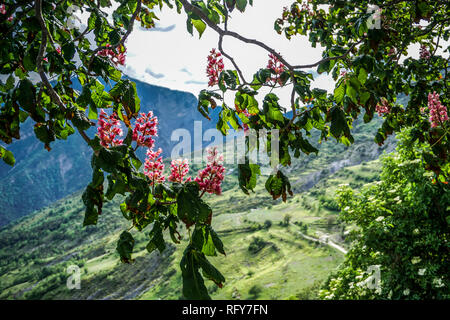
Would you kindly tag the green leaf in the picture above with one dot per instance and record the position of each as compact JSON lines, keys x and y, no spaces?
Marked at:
{"x":193,"y":285}
{"x":339,"y":92}
{"x":323,"y":67}
{"x":44,"y":134}
{"x":241,"y":4}
{"x":209,"y":271}
{"x":7,"y":156}
{"x":278,"y":185}
{"x":338,"y":122}
{"x":351,"y":92}
{"x":190,"y":207}
{"x":68,"y":51}
{"x":80,"y":120}
{"x":217,"y":242}
{"x":109,"y":159}
{"x":247,"y":176}
{"x":209,"y":249}
{"x":363,"y":97}
{"x":26,"y":95}
{"x":125,"y":91}
{"x":157,"y":239}
{"x":272,"y":108}
{"x":125,"y":246}
{"x":92,"y":198}
{"x":200,"y":26}
{"x":362,"y":77}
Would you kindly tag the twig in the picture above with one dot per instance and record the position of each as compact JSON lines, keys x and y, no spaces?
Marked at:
{"x":39,"y":63}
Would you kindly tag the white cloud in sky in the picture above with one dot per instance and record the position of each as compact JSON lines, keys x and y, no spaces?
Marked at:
{"x":181,"y":58}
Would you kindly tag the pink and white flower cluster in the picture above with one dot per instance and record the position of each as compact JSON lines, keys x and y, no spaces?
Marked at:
{"x":383,"y":108}
{"x":145,"y":128}
{"x":116,"y":58}
{"x":154,"y":166}
{"x":276,"y":66}
{"x":210,"y":179}
{"x":109,"y":129}
{"x":179,"y":168}
{"x":3,"y":11}
{"x":214,"y":68}
{"x":424,"y":52}
{"x":438,"y":112}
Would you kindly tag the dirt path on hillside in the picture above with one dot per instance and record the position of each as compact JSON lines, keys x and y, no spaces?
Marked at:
{"x":323,"y":240}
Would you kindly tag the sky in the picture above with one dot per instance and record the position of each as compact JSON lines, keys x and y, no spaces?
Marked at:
{"x":169,"y":56}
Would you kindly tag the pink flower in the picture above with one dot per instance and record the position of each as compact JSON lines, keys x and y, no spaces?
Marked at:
{"x":211,"y":178}
{"x":179,"y":168}
{"x":214,"y":68}
{"x":45,"y":59}
{"x":154,"y":167}
{"x":109,"y":129}
{"x":58,"y":49}
{"x":275,"y":65}
{"x":145,"y":128}
{"x":10,"y":18}
{"x":438,"y":112}
{"x":424,"y":53}
{"x":116,"y":58}
{"x":2,"y":8}
{"x":383,"y":108}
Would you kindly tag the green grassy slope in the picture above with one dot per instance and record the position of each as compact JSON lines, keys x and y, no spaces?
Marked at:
{"x":280,"y":264}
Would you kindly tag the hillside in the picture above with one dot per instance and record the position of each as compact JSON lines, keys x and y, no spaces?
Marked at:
{"x":36,"y":250}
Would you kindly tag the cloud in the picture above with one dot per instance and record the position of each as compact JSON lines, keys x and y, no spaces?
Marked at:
{"x":186,"y":71}
{"x":204,"y":83}
{"x":153,"y":74}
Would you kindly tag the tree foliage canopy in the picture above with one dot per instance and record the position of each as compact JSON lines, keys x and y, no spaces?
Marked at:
{"x":42,"y":50}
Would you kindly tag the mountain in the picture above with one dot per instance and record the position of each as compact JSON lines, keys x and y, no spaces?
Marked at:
{"x":40,"y":177}
{"x":266,"y":257}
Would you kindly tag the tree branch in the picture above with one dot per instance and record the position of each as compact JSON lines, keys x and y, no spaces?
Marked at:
{"x":40,"y":57}
{"x":244,"y":82}
{"x":39,"y":63}
{"x":189,"y":7}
